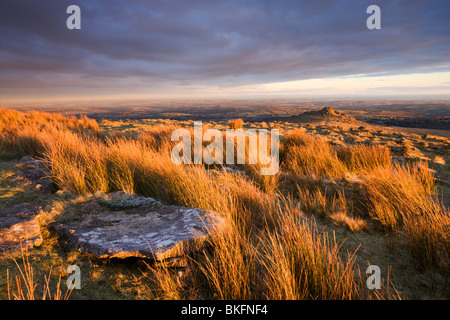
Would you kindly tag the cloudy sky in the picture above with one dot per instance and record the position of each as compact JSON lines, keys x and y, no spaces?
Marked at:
{"x":237,"y":48}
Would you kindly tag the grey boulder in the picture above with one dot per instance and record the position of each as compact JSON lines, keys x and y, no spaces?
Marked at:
{"x":124,"y":226}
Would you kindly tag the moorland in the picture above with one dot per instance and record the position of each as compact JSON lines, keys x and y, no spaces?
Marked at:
{"x":352,"y":191}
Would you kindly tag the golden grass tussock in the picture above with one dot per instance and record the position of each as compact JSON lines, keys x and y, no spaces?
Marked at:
{"x":158,"y":137}
{"x":236,"y":123}
{"x":291,"y":259}
{"x":403,"y":191}
{"x":363,"y":157}
{"x":439,"y":159}
{"x":149,"y":173}
{"x":77,"y":163}
{"x":301,"y":263}
{"x":167,"y":282}
{"x":267,"y":183}
{"x":28,"y":133}
{"x":303,"y":154}
{"x":16,"y":143}
{"x":352,"y":223}
{"x":400,"y":199}
{"x":308,"y":155}
{"x":230,"y":271}
{"x":428,"y":237}
{"x":288,"y":260}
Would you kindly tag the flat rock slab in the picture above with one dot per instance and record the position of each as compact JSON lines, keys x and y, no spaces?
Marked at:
{"x":18,"y":227}
{"x":129,"y":226}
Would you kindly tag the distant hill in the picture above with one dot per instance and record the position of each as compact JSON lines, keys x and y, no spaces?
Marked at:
{"x":325,"y":115}
{"x":325,"y":112}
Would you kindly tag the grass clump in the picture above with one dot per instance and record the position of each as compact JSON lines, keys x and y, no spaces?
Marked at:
{"x":236,"y":123}
{"x":400,"y":199}
{"x":25,"y":287}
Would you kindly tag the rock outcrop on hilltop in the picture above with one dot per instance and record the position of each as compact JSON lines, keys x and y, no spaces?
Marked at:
{"x":325,"y":115}
{"x":325,"y":112}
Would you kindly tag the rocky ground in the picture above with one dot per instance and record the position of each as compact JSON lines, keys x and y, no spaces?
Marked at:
{"x":117,"y":225}
{"x":50,"y":226}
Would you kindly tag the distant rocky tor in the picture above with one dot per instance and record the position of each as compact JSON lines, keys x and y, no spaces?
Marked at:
{"x":123,"y":225}
{"x":324,"y":116}
{"x":325,"y":112}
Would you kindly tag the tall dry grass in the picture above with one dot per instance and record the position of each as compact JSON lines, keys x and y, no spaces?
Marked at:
{"x":230,"y":270}
{"x":76,"y":163}
{"x":398,"y":196}
{"x":267,"y":250}
{"x":290,"y":259}
{"x":393,"y":194}
{"x":236,"y":123}
{"x":24,"y":134}
{"x":24,"y":286}
{"x":16,"y":143}
{"x":363,"y":157}
{"x":302,"y":263}
{"x":400,"y":199}
{"x":303,"y":154}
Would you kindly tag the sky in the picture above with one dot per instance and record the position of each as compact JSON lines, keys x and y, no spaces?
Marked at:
{"x":159,"y":49}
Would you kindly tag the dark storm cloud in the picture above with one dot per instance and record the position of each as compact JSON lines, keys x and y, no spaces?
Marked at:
{"x":224,"y":43}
